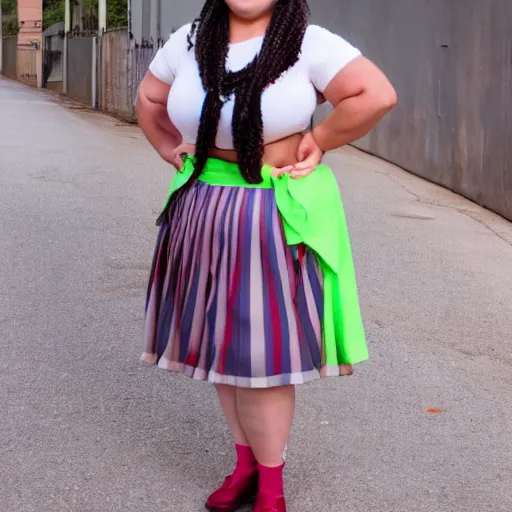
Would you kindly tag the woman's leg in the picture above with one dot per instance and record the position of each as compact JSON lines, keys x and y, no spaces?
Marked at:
{"x":260,"y":421}
{"x":266,"y":417}
{"x":241,"y":486}
{"x":227,"y":397}
{"x":246,"y":462}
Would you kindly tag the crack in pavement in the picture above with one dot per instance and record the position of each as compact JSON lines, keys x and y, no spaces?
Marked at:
{"x":463,"y":211}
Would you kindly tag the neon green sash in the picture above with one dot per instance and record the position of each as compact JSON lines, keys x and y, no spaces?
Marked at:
{"x":312,"y":213}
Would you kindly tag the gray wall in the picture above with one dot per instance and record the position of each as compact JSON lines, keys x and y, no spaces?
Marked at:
{"x":79,"y":69}
{"x":9,"y":54}
{"x":176,"y":14}
{"x":141,"y":19}
{"x":451,"y":62}
{"x":136,"y":18}
{"x":153,"y":19}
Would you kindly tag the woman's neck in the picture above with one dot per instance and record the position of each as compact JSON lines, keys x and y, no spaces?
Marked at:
{"x":241,"y":30}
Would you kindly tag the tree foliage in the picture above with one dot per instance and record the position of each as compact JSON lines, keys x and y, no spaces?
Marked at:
{"x":117,"y":13}
{"x":53,"y":12}
{"x":9,"y":7}
{"x":9,"y":17}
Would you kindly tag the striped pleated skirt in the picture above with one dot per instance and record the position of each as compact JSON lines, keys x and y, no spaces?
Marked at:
{"x":228,"y":300}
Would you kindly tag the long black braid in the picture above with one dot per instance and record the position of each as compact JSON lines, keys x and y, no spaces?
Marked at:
{"x":280,"y":51}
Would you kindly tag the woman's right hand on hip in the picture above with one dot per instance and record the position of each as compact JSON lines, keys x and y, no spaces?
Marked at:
{"x":174,"y":156}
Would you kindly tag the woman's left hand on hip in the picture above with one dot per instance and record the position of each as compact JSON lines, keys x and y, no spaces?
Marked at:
{"x":309,"y":156}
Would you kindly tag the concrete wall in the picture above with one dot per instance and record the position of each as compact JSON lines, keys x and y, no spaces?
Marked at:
{"x":154,"y":19}
{"x":176,"y":14}
{"x":141,"y":19}
{"x":451,"y":62}
{"x":30,"y":15}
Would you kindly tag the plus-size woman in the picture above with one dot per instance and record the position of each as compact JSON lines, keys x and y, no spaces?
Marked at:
{"x":252,"y":286}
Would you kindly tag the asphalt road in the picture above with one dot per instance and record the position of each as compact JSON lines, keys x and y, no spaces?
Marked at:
{"x":85,"y":428}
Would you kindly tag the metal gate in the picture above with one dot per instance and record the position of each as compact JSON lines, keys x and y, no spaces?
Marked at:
{"x":81,"y":69}
{"x":53,"y":57}
{"x":143,"y":54}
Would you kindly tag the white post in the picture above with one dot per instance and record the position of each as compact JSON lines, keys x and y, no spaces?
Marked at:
{"x":155,"y":9}
{"x":98,"y":68}
{"x":67,"y":28}
{"x":129,"y":16}
{"x":94,"y":72}
{"x":67,"y":16}
{"x":102,"y":16}
{"x":39,"y":65}
{"x":1,"y":40}
{"x":65,"y":66}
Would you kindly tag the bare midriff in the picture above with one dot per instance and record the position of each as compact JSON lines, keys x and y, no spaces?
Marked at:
{"x":280,"y":153}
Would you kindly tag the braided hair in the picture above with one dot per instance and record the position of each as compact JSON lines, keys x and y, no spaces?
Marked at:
{"x":280,"y":51}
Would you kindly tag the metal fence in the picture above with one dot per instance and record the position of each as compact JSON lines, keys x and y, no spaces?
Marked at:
{"x":81,"y":69}
{"x":9,"y":55}
{"x":451,"y":64}
{"x":53,"y":61}
{"x":124,"y":62}
{"x":143,"y":54}
{"x":116,"y":73}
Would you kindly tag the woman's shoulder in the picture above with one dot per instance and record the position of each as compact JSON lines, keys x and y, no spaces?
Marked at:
{"x":325,"y":53}
{"x":319,"y":40}
{"x":167,"y":61}
{"x":315,"y":34}
{"x":315,"y":31}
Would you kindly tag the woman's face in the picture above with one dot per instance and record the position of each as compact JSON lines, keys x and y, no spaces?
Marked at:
{"x":250,"y":9}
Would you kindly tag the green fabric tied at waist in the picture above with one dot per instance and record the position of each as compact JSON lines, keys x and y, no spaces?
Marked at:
{"x":312,"y":213}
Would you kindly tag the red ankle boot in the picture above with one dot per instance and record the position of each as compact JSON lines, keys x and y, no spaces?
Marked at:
{"x":271,"y":490}
{"x":234,"y":494}
{"x":267,"y":503}
{"x":240,"y":488}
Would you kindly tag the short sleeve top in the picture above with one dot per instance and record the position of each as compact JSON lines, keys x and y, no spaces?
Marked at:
{"x":287,"y":105}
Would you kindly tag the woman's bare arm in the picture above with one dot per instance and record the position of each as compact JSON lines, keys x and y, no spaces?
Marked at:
{"x":154,"y":119}
{"x":361,"y":95}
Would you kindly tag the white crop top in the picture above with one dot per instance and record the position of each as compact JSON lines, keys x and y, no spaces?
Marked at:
{"x":287,"y":105}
